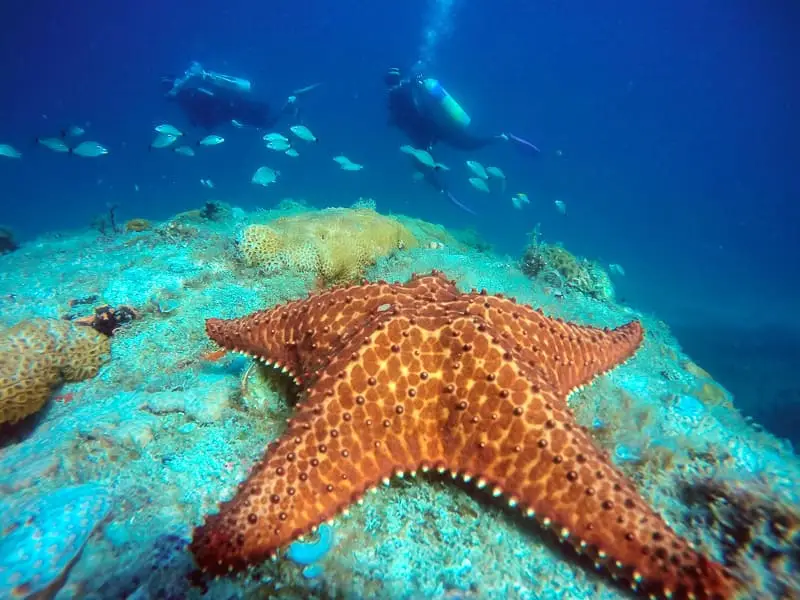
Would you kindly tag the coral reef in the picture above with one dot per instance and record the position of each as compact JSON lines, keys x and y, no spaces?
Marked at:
{"x":336,"y":244}
{"x":168,"y":434}
{"x":37,"y":355}
{"x":560,"y":268}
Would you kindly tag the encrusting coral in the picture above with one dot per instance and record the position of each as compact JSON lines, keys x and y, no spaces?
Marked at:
{"x":39,"y":354}
{"x":336,"y":245}
{"x":138,"y":225}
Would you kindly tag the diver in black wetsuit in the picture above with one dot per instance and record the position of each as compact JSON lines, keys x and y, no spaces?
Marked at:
{"x":212,"y":99}
{"x":210,"y":110}
{"x":427,"y":114}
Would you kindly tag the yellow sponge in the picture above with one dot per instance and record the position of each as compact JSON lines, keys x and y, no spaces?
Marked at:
{"x":37,"y":355}
{"x":336,"y":244}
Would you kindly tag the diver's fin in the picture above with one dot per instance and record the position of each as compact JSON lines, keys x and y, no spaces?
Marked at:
{"x":525,"y":144}
{"x":458,"y":204}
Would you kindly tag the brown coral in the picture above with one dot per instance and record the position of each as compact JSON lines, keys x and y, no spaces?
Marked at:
{"x":138,"y":225}
{"x":37,"y":355}
{"x":336,"y":244}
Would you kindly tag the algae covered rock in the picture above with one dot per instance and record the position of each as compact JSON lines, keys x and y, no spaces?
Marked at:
{"x":557,"y":266}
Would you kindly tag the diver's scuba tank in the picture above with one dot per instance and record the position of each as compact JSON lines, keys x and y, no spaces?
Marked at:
{"x":230,"y":82}
{"x":440,"y":106}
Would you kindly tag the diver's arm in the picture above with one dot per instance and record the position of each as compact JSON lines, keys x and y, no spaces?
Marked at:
{"x":194,"y":70}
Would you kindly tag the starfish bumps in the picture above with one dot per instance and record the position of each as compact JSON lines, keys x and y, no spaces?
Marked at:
{"x":400,"y":378}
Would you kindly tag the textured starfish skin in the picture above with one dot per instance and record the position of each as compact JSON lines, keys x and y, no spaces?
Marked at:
{"x":400,"y":378}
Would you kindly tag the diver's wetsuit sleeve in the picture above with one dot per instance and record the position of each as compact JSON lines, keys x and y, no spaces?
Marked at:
{"x":404,"y":115}
{"x":400,"y":104}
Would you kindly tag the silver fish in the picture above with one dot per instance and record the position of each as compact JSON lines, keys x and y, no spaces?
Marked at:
{"x":211,"y":140}
{"x":561,"y":207}
{"x":56,"y":144}
{"x":424,"y":158}
{"x":237,"y":124}
{"x":163,"y":140}
{"x":292,"y":152}
{"x":346,"y":164}
{"x":89,"y":149}
{"x":73,"y":131}
{"x":168,"y":129}
{"x":479,"y":184}
{"x":279,"y":145}
{"x":265,"y":176}
{"x":478,"y":169}
{"x":303,"y":132}
{"x":9,"y":151}
{"x":495,"y":172}
{"x":275,"y":137}
{"x":184,"y":150}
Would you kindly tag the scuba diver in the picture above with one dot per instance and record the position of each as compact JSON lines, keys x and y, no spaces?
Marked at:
{"x":427,"y":114}
{"x":210,"y":99}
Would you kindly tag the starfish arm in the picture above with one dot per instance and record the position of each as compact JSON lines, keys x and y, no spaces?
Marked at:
{"x":508,"y":431}
{"x":300,"y":484}
{"x":298,"y":337}
{"x":573,"y":354}
{"x":267,"y":336}
{"x":355,"y":430}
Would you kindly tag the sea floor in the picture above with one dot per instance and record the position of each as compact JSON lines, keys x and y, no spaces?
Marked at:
{"x":100,"y":491}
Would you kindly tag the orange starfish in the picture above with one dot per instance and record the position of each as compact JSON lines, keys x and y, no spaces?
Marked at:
{"x":399,"y":378}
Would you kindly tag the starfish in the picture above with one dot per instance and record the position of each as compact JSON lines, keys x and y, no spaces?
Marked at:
{"x":400,"y":378}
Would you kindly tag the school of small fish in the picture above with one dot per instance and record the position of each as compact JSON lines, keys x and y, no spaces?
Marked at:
{"x":481,"y":178}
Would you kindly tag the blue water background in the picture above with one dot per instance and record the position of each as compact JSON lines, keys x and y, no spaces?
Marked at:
{"x":676,"y":121}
